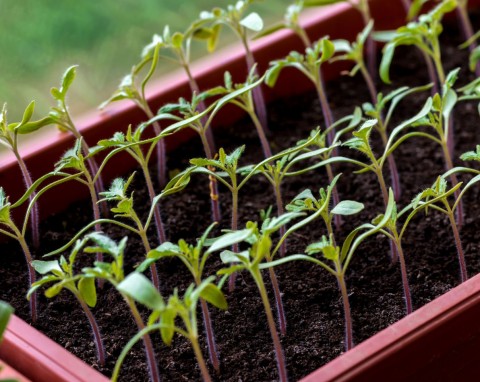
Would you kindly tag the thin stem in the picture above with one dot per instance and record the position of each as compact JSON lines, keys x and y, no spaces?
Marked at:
{"x":267,"y":151}
{"x":280,"y":211}
{"x":233,"y":276}
{"x":370,"y":84}
{"x":392,"y":167}
{"x":431,"y":72}
{"x":282,"y":370}
{"x":258,"y":99}
{"x":282,"y":321}
{"x":211,"y":344}
{"x":156,"y":212}
{"x":96,"y":210}
{"x":214,"y":196}
{"x":27,"y":179}
{"x":97,"y":337}
{"x":458,"y":244}
{"x":200,"y":359}
{"x":153,"y":267}
{"x":370,"y":44}
{"x":161,"y":148}
{"x":147,"y":341}
{"x":346,"y":311}
{"x":336,"y":198}
{"x":403,"y":269}
{"x":454,"y":180}
{"x":31,"y":272}
{"x":326,"y":111}
{"x":201,"y":105}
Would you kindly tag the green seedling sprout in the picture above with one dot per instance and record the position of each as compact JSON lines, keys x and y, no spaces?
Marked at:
{"x":9,"y":138}
{"x":340,"y":257}
{"x":320,"y":207}
{"x":438,"y":118}
{"x":61,"y":274}
{"x":60,"y":116}
{"x":194,"y":257}
{"x":290,"y":21}
{"x":310,"y":65}
{"x":244,"y":101}
{"x":127,"y":142}
{"x":164,"y":315}
{"x":364,"y":9}
{"x":178,"y":46}
{"x":128,"y":89}
{"x":354,"y":52}
{"x":74,"y":159}
{"x":113,"y":272}
{"x":18,"y":233}
{"x":124,"y":209}
{"x":424,"y":34}
{"x":227,"y":167}
{"x":209,"y":26}
{"x":437,"y":198}
{"x":260,"y":249}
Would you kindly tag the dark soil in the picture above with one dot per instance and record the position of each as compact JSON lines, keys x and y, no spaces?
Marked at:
{"x":312,"y":300}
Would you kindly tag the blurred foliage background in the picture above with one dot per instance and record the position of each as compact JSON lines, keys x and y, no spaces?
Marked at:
{"x":39,"y":39}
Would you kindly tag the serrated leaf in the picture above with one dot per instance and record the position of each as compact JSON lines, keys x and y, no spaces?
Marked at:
{"x":44,"y":267}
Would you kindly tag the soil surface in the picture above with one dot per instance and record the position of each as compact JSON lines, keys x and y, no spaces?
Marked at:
{"x":315,"y":333}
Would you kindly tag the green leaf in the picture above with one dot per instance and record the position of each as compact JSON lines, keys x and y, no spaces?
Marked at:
{"x":229,"y":239}
{"x":68,"y":78}
{"x":32,"y":126}
{"x":5,"y":312}
{"x":141,"y":289}
{"x":53,"y":290}
{"x":328,"y":50}
{"x":168,"y":325}
{"x":253,"y":22}
{"x":164,"y":250}
{"x":347,"y":207}
{"x":86,"y":287}
{"x":387,"y":57}
{"x":27,"y":114}
{"x":214,"y":296}
{"x":44,"y":267}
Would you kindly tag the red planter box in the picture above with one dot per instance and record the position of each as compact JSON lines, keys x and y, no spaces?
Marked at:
{"x":440,"y":341}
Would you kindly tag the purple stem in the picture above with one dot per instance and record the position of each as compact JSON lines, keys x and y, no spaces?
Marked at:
{"x":156,"y":211}
{"x":454,"y":180}
{"x":233,"y":276}
{"x":282,"y":321}
{"x":337,"y":219}
{"x":346,"y":312}
{"x":27,"y":179}
{"x":214,"y":196}
{"x":267,"y":151}
{"x":212,"y":346}
{"x":97,"y":337}
{"x":460,"y":253}
{"x":31,"y":273}
{"x":258,"y":99}
{"x":280,"y":211}
{"x":161,"y":148}
{"x":403,"y":269}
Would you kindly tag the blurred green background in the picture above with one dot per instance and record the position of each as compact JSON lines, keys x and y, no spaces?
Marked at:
{"x":39,"y":39}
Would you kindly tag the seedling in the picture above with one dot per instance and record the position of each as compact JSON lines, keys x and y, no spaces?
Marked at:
{"x":260,"y":249}
{"x":424,"y":34}
{"x":130,"y":142}
{"x":194,"y":258}
{"x":60,"y":116}
{"x":9,"y":138}
{"x":125,"y":209}
{"x":364,"y":9}
{"x":208,"y":28}
{"x":244,"y":101}
{"x":310,"y":65}
{"x":341,"y":258}
{"x":436,"y":197}
{"x":128,"y":89}
{"x":61,"y":274}
{"x":113,"y":273}
{"x":290,"y":21}
{"x":320,"y":207}
{"x":18,"y":233}
{"x":164,"y":315}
